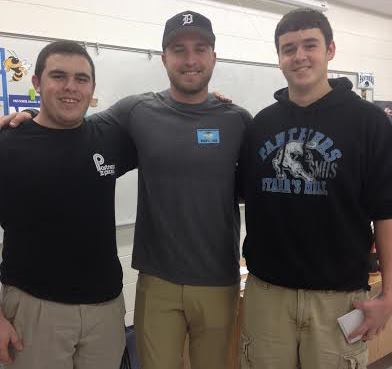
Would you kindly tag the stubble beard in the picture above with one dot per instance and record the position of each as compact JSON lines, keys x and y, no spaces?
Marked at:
{"x":190,"y":89}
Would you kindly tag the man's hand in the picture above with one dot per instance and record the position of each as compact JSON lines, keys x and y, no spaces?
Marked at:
{"x":222,"y":98}
{"x":14,"y":119}
{"x":377,"y":312}
{"x":8,"y":338}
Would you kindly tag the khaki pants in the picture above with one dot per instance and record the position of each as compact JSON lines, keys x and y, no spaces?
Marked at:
{"x":165,"y":312}
{"x":286,"y":328}
{"x":61,"y":336}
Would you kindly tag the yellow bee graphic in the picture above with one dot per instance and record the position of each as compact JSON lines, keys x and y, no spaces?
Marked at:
{"x":18,"y":67}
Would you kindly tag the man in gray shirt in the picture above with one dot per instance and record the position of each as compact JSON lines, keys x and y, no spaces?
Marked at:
{"x":186,"y":244}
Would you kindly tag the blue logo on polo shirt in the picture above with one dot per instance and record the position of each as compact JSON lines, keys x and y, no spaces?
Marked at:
{"x":208,"y":136}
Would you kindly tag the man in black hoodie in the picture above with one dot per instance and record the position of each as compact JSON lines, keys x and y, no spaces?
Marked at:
{"x":316,"y":170}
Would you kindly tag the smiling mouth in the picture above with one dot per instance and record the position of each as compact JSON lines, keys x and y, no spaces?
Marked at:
{"x":191,"y":73}
{"x":301,"y":69}
{"x":68,"y":100}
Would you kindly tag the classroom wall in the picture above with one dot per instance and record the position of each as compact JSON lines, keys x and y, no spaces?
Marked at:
{"x":244,"y":30}
{"x":364,"y":40}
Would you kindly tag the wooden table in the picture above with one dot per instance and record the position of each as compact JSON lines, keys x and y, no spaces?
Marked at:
{"x":381,"y":345}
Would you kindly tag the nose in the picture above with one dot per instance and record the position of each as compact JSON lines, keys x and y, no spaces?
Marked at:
{"x":70,"y":84}
{"x":300,"y":53}
{"x":190,"y":58}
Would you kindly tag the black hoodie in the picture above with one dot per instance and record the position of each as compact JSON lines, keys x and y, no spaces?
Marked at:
{"x":313,"y":178}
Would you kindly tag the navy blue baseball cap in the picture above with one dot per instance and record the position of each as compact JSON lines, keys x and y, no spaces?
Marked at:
{"x":188,"y":21}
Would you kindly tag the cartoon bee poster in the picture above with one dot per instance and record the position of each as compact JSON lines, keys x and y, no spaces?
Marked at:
{"x":15,"y":82}
{"x":16,"y":67}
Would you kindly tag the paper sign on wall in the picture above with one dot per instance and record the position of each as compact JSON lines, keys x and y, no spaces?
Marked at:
{"x":20,"y":102}
{"x":365,"y":81}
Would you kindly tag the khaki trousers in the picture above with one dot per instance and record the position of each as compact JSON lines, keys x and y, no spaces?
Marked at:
{"x":165,"y":312}
{"x":62,"y":336}
{"x":286,"y":328}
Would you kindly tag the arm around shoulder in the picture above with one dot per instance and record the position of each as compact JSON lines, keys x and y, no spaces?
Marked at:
{"x":15,"y":119}
{"x":119,"y":113}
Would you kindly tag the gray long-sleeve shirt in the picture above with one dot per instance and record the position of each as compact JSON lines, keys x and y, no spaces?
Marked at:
{"x":187,"y":224}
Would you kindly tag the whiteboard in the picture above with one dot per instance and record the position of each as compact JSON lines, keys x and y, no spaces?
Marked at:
{"x":123,"y":72}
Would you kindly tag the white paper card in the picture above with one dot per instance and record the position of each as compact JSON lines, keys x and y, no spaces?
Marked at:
{"x":349,"y":322}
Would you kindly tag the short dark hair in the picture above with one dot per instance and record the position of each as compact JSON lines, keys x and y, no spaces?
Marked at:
{"x":301,"y":19}
{"x":61,"y":47}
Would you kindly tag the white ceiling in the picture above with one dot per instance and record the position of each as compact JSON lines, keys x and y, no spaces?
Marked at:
{"x":379,"y":6}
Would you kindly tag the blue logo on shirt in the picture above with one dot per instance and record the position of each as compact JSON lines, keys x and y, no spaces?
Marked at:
{"x":208,"y":136}
{"x":305,"y":161}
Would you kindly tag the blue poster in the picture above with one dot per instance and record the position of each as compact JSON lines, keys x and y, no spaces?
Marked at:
{"x":3,"y":84}
{"x":20,"y":102}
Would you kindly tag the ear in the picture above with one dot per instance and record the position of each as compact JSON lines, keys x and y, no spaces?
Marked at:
{"x":279,"y":64}
{"x":163,"y":58}
{"x":36,"y":84}
{"x":279,"y":61}
{"x":331,"y":50}
{"x":214,"y":57}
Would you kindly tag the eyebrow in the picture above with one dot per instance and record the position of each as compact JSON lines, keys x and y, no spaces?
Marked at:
{"x":56,"y":71}
{"x":83,"y":75}
{"x":60,"y":71}
{"x":312,"y":39}
{"x":306,"y":40}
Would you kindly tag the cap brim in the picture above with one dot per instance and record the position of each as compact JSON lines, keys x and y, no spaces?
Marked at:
{"x":173,"y":34}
